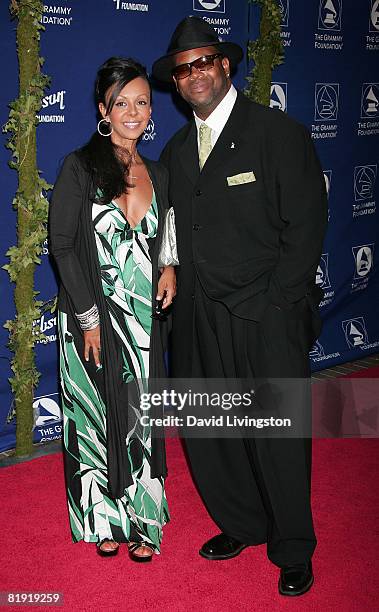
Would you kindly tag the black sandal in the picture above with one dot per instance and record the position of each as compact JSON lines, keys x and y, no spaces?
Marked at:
{"x":106,"y":553}
{"x":133,"y":546}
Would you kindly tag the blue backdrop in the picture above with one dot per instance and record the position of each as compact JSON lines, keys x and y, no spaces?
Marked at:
{"x":329,"y":82}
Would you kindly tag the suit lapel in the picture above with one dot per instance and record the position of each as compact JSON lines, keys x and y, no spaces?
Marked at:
{"x":188,"y":154}
{"x":230,"y":139}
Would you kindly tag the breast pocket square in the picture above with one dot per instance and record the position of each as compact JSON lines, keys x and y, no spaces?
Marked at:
{"x":240,"y":179}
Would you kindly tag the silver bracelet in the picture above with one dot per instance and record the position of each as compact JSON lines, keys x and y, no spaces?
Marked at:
{"x":89,"y":319}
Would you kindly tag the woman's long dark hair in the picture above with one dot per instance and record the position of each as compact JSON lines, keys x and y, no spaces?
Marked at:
{"x":100,"y":154}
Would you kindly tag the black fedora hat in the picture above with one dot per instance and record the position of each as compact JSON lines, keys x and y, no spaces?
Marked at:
{"x":193,"y":33}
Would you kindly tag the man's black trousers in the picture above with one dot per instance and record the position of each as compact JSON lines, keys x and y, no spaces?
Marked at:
{"x":256,"y":489}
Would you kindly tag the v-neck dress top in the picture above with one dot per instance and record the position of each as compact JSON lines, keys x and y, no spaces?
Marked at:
{"x":126,"y":274}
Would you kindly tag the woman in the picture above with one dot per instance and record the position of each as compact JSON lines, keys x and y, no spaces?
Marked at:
{"x":105,"y":231}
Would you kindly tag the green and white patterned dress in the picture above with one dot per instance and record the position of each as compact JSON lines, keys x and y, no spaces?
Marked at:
{"x":126,"y":274}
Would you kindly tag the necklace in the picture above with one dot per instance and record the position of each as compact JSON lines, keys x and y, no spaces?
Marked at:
{"x":134,"y":161}
{"x":126,"y":156}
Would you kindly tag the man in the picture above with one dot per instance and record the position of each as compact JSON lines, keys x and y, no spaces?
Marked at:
{"x":251,"y":213}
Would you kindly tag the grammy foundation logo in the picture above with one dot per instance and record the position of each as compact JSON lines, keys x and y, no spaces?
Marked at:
{"x":278,"y":96}
{"x":330,"y":14}
{"x":370,"y":101}
{"x":216,"y":6}
{"x":364,"y":182}
{"x":355,"y":332}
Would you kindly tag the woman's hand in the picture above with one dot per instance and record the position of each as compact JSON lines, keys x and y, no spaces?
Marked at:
{"x":92,"y":341}
{"x":167,"y":286}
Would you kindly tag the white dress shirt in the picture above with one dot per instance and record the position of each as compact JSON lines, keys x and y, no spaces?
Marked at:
{"x":218,"y":118}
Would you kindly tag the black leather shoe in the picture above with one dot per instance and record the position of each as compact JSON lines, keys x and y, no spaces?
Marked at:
{"x":221,"y":547}
{"x":296,"y":579}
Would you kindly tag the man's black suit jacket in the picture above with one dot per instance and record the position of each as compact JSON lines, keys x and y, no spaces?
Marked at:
{"x":256,"y":242}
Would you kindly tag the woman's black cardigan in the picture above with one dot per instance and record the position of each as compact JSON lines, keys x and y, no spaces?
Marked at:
{"x":73,"y":246}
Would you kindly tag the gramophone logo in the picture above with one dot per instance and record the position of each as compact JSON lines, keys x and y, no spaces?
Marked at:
{"x":363,"y":256}
{"x":328,"y":180}
{"x":374,"y":16}
{"x":46,"y":410}
{"x":317,"y":352}
{"x":370,"y":101}
{"x":355,"y":332}
{"x":326,"y":101}
{"x":330,"y":14}
{"x":284,"y":9}
{"x":216,"y":6}
{"x":322,"y":274}
{"x":364,"y":182}
{"x":278,"y":96}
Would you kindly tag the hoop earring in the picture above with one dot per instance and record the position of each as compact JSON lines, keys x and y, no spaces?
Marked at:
{"x":108,"y":123}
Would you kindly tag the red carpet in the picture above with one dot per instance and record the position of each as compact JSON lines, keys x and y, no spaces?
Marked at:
{"x":365,"y":373}
{"x":39,"y":556}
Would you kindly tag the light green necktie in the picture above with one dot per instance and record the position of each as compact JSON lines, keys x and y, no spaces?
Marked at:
{"x":205,"y":143}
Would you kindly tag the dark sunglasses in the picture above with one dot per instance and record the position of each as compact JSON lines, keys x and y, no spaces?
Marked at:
{"x":205,"y":62}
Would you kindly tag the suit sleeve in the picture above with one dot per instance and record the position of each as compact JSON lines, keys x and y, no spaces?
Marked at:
{"x":65,"y":207}
{"x":303,"y":208}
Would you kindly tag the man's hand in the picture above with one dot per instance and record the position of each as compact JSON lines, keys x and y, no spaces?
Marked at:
{"x":92,"y":341}
{"x":167,"y":286}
